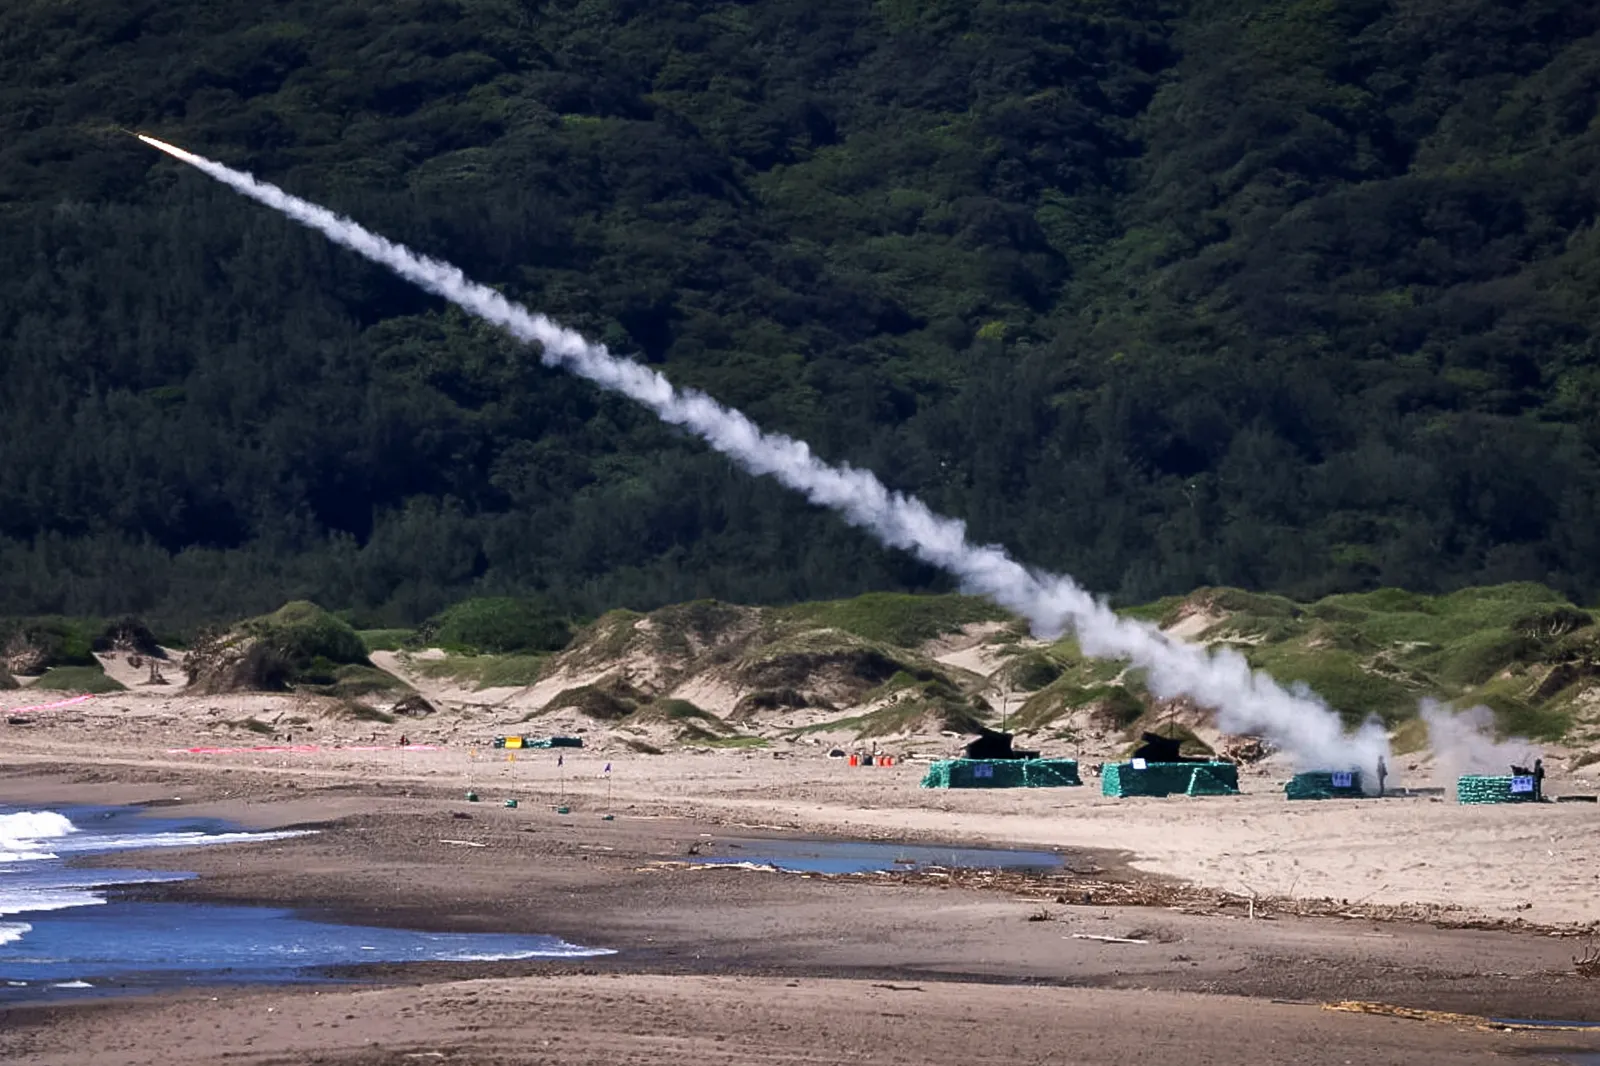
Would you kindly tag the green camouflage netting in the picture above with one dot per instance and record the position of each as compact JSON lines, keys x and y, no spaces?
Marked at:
{"x":1325,"y":784}
{"x":1472,"y":788}
{"x":1166,"y":778}
{"x":1002,"y":773}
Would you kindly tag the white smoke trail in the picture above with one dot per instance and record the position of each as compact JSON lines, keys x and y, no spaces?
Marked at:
{"x":1246,"y":702}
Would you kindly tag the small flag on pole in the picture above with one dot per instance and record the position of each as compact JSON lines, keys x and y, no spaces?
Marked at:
{"x":560,"y":760}
{"x":607,"y":770}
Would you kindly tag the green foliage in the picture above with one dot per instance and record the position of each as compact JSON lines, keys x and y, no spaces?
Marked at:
{"x":1292,"y":297}
{"x":1514,"y":715}
{"x":42,"y":643}
{"x":901,"y":620}
{"x":78,"y":679}
{"x":603,"y":702}
{"x":1033,"y":672}
{"x":1346,"y":683}
{"x":496,"y":626}
{"x":682,"y":710}
{"x":385,"y":639}
{"x":1519,"y":648}
{"x":353,"y":681}
{"x":130,"y":634}
{"x":313,"y":641}
{"x":1477,"y":657}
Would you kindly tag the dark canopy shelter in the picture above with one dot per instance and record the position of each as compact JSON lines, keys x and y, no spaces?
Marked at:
{"x":992,"y":744}
{"x":1157,"y":748}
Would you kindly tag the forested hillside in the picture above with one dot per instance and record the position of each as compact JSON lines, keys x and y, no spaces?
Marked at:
{"x":1295,"y":296}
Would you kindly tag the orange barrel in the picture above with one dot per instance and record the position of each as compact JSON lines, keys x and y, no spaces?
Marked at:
{"x":854,"y":761}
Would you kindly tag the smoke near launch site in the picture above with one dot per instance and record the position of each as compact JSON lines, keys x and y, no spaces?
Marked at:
{"x":1246,"y":701}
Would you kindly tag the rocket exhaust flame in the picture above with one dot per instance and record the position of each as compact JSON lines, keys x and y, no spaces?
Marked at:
{"x":1246,"y":701}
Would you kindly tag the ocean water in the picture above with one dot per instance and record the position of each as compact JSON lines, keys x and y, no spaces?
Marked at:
{"x":64,"y":932}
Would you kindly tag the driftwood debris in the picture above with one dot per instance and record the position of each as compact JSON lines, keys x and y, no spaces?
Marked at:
{"x":1108,"y":939}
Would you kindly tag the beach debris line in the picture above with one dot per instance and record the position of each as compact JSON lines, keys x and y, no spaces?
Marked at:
{"x":1246,"y":701}
{"x":1464,"y":1021}
{"x":1076,"y":889}
{"x":1107,"y":939}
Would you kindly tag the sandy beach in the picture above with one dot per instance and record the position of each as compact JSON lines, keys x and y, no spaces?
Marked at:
{"x":1254,"y":914}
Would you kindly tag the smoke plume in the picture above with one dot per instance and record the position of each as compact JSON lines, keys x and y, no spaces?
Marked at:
{"x":1245,"y":701}
{"x":1463,"y":743}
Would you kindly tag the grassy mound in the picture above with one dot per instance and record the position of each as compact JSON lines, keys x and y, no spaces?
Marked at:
{"x":298,"y":645}
{"x":691,"y":724}
{"x":496,"y":626}
{"x":894,"y":618}
{"x":610,"y":700}
{"x":351,"y":681}
{"x":675,"y":641}
{"x":78,"y":679}
{"x":485,"y":671}
{"x":1520,"y":649}
{"x":387,"y":639}
{"x":924,"y":716}
{"x":304,"y":634}
{"x":780,"y":699}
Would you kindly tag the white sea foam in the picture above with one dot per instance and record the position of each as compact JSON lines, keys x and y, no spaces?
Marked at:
{"x":11,"y":932}
{"x":133,"y":841}
{"x":565,"y":951}
{"x":31,"y":883}
{"x":26,"y":899}
{"x":22,"y":834}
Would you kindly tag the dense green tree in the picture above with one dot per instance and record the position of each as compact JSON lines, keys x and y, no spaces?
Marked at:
{"x":1292,"y":294}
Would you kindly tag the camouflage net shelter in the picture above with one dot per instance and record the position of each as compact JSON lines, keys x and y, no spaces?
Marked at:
{"x":1473,"y":788}
{"x":1002,"y":773}
{"x":1325,"y":784}
{"x":1167,"y":778}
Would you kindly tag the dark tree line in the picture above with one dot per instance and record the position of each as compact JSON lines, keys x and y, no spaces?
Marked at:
{"x":1298,"y":296}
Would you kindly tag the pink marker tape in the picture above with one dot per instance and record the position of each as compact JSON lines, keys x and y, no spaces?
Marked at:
{"x":292,"y":749}
{"x":48,"y":706}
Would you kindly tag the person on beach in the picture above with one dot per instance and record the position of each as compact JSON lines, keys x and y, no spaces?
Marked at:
{"x":1383,"y":772}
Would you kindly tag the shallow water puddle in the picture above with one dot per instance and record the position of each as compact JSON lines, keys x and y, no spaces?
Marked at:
{"x":854,"y":857}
